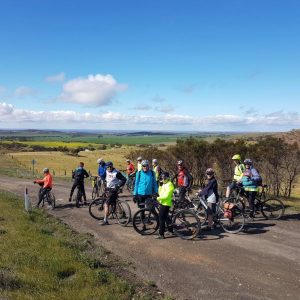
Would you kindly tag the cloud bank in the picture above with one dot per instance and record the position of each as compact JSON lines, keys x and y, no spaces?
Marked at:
{"x":12,"y":117}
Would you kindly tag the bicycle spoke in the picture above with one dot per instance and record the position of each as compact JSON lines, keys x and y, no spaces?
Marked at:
{"x":186,"y":224}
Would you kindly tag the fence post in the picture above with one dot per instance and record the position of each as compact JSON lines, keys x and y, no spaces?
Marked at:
{"x":27,"y":201}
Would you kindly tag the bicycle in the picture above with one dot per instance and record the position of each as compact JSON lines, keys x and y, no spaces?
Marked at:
{"x":184,"y":222}
{"x":77,"y":196}
{"x":120,"y":210}
{"x":270,"y":208}
{"x":130,"y":182}
{"x":48,"y":197}
{"x":98,"y":185}
{"x":233,"y":223}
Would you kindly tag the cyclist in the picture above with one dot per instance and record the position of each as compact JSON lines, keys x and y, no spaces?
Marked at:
{"x":210,"y":193}
{"x":130,"y":167}
{"x":238,"y":174}
{"x":145,"y":185}
{"x":101,"y":171}
{"x":139,"y":163}
{"x":78,"y":175}
{"x":165,"y":197}
{"x":130,"y":173}
{"x":47,"y":182}
{"x":157,"y":170}
{"x":114,"y":181}
{"x":184,"y":180}
{"x":250,"y":182}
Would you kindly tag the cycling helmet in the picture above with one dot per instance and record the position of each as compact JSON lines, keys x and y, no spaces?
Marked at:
{"x":154,"y":161}
{"x":248,"y":161}
{"x":165,"y":175}
{"x":236,"y":157}
{"x":209,"y":171}
{"x":180,"y":162}
{"x":109,"y":164}
{"x":145,"y":163}
{"x":139,"y":158}
{"x":128,"y":160}
{"x":99,"y":160}
{"x":45,"y":170}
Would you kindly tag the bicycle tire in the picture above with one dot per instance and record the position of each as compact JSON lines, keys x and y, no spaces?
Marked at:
{"x":122,"y":212}
{"x":95,"y":192}
{"x":272,"y":209}
{"x":96,"y":209}
{"x":145,"y":221}
{"x":239,"y":202}
{"x":232,"y":225}
{"x":78,"y":197}
{"x":186,"y":224}
{"x":51,"y":199}
{"x":200,"y":212}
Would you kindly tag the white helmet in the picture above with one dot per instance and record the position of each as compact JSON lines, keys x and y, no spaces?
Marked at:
{"x":99,"y":160}
{"x":154,"y":161}
{"x":45,"y":170}
{"x":139,"y":158}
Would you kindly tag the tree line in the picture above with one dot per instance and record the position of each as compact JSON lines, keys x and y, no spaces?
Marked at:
{"x":277,"y":161}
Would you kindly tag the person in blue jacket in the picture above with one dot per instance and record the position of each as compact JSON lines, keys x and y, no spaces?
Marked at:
{"x":145,"y":185}
{"x":251,"y":180}
{"x":101,"y":172}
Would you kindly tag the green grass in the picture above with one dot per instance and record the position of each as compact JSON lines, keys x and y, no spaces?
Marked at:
{"x":41,"y":258}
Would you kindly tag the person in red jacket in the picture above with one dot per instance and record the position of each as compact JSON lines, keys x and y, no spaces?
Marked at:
{"x":47,"y":182}
{"x":184,"y":180}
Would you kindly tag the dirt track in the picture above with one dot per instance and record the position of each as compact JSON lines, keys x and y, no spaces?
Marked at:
{"x":263,"y":262}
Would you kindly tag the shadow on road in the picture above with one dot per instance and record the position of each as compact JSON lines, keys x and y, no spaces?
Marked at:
{"x":257,"y":228}
{"x":291,"y":217}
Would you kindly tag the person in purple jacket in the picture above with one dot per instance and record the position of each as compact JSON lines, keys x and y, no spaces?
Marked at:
{"x":210,"y":193}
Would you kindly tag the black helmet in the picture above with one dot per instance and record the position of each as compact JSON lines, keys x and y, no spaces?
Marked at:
{"x":109,"y":164}
{"x":165,"y":175}
{"x":248,"y":161}
{"x":210,"y":171}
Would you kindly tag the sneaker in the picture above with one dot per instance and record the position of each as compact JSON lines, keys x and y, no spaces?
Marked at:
{"x":160,"y":237}
{"x":104,"y":223}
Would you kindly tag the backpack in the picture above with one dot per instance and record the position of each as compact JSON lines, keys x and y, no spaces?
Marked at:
{"x":258,"y":177}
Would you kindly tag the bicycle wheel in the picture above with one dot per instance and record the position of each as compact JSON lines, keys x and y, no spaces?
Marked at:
{"x":239,"y":202}
{"x":95,"y":192}
{"x":96,"y":209}
{"x":122,"y":212}
{"x":234,"y":224}
{"x":272,"y":209}
{"x":51,"y":199}
{"x":78,"y":197}
{"x":145,"y":221}
{"x":186,"y":224}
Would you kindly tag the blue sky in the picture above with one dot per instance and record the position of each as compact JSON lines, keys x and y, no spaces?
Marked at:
{"x":159,"y":65}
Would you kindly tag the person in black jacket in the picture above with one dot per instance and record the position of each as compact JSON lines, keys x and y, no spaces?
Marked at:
{"x":210,"y":193}
{"x":78,"y":175}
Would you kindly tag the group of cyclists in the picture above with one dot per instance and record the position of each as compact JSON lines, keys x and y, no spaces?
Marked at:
{"x":151,"y":181}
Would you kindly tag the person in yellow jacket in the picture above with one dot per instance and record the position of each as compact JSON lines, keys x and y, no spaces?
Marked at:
{"x":238,"y":174}
{"x":165,"y":200}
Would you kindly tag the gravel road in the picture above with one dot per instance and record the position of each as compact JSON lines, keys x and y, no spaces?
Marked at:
{"x":263,"y":262}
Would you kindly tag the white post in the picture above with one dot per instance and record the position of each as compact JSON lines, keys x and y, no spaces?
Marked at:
{"x":27,"y":200}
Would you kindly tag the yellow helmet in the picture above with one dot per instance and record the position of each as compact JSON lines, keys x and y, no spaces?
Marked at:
{"x":236,"y":157}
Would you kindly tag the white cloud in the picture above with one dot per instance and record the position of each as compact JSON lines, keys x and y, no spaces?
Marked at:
{"x":95,"y":90}
{"x":56,"y":78}
{"x":11,"y":116}
{"x":25,"y":91}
